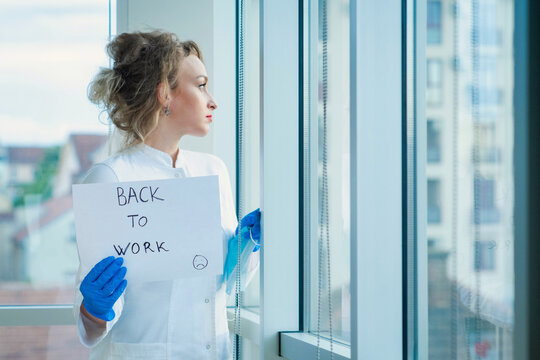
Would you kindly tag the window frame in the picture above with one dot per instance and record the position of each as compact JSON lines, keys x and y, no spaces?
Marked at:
{"x":527,"y":174}
{"x":280,"y":139}
{"x":405,"y":339}
{"x":372,"y":77}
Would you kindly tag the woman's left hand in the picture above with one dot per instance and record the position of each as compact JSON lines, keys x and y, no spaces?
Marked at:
{"x":252,"y":222}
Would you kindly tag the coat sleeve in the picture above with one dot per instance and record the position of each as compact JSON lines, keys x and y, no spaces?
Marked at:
{"x":89,"y":333}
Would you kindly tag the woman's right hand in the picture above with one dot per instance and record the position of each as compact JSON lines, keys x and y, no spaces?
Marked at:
{"x":103,"y":286}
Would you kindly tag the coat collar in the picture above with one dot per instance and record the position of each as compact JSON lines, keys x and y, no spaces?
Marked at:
{"x":162,"y":158}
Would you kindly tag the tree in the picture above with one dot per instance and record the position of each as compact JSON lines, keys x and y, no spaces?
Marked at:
{"x":44,"y":177}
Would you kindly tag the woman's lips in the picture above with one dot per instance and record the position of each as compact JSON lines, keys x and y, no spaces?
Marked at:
{"x":209,"y":117}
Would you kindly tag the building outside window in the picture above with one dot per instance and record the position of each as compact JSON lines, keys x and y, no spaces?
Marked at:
{"x":471,"y":281}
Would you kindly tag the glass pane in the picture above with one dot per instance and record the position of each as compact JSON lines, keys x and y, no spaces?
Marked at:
{"x":248,"y":160}
{"x":248,"y":163}
{"x":49,"y":136}
{"x":330,"y":219}
{"x":251,"y":180}
{"x":470,"y":188}
{"x":41,"y":343}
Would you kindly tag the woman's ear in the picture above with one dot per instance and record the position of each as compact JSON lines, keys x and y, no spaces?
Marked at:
{"x":163,"y":94}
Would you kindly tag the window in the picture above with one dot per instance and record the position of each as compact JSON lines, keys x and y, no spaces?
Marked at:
{"x":45,"y":151}
{"x":50,"y":137}
{"x":471,"y":279}
{"x":485,"y":23}
{"x":434,"y":22}
{"x":485,"y":211}
{"x":330,"y":140}
{"x":434,"y":201}
{"x":434,"y":91}
{"x":484,"y":255}
{"x":433,"y":141}
{"x":486,"y":148}
{"x":487,"y":70}
{"x":248,"y":163}
{"x":485,"y":96}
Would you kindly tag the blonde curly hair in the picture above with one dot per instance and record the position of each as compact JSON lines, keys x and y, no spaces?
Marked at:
{"x":129,"y":91}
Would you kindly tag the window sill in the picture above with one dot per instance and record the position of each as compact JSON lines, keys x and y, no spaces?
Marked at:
{"x":293,"y":345}
{"x":300,"y":346}
{"x":36,"y":315}
{"x":249,"y":324}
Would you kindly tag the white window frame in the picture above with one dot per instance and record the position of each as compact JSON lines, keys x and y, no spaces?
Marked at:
{"x":373,"y":96}
{"x":376,"y":200}
{"x":279,"y":106}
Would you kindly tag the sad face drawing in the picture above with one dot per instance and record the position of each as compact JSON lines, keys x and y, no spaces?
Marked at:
{"x":200,"y":262}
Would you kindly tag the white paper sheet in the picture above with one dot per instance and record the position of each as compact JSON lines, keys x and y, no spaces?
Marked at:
{"x":164,"y":229}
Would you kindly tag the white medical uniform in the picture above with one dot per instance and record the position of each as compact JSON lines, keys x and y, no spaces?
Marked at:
{"x":179,"y":319}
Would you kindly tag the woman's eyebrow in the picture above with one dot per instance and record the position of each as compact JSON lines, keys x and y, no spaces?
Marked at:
{"x":203,"y":76}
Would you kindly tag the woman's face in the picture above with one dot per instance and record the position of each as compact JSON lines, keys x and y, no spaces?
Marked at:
{"x":191,"y":104}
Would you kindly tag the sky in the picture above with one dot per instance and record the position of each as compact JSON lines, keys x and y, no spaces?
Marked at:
{"x":49,"y":52}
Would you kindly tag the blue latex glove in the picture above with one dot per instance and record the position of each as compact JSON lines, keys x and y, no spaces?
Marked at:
{"x":252,"y":222}
{"x":251,"y":234}
{"x":103,"y":286}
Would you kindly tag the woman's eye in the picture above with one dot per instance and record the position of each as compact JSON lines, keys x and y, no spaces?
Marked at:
{"x":203,"y":85}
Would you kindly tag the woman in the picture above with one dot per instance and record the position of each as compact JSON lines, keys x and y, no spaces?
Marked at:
{"x":155,"y":94}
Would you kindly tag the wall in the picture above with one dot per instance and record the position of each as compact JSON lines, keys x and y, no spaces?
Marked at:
{"x":212,"y":25}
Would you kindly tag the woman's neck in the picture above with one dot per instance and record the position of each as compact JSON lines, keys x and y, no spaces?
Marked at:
{"x":165,"y":142}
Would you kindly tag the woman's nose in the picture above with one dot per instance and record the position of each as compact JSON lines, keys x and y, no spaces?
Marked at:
{"x":212,"y":104}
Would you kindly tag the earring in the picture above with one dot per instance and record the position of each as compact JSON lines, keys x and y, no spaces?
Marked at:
{"x":167,"y":111}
